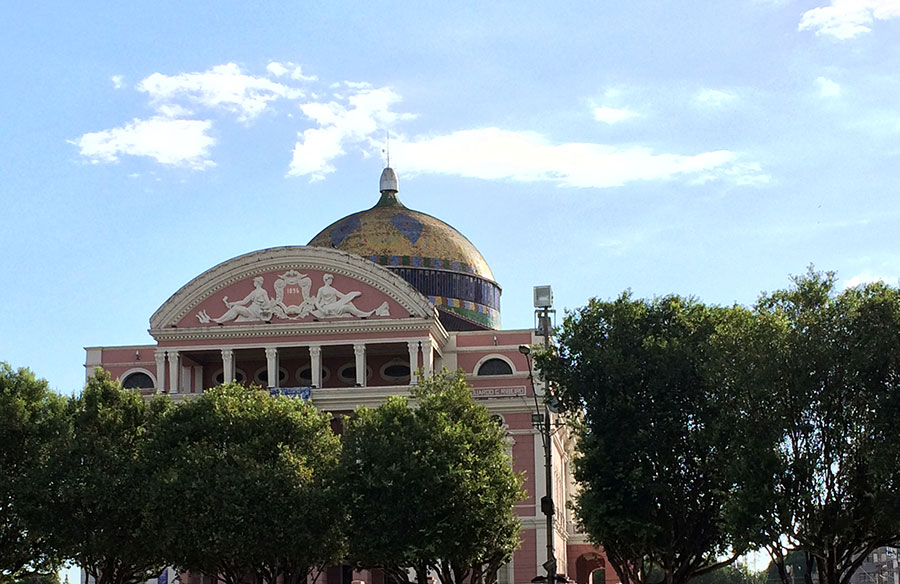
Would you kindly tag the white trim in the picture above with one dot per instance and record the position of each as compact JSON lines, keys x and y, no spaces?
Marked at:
{"x":254,"y":331}
{"x":490,"y":356}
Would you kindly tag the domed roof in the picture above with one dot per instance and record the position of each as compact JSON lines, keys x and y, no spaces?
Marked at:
{"x":393,"y":235}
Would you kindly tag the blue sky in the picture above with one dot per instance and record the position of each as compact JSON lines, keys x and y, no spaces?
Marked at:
{"x":705,"y":148}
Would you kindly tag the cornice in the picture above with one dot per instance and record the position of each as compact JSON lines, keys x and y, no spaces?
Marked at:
{"x":312,"y":329}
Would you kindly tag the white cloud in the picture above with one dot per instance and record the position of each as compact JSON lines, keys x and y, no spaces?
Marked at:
{"x":168,"y":141}
{"x":117,"y":81}
{"x":611,"y":115}
{"x":845,"y":19}
{"x":357,"y":119}
{"x":714,"y":97}
{"x":277,"y":69}
{"x":827,"y":87}
{"x":495,"y":154}
{"x":223,"y":86}
{"x":296,"y":72}
{"x":866,"y":277}
{"x":353,"y":116}
{"x":173,"y":110}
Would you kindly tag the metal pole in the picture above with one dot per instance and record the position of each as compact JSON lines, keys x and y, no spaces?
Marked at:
{"x":548,"y":462}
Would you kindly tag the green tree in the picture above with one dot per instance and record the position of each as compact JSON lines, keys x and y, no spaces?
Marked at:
{"x":653,"y":449}
{"x":31,"y":426}
{"x":38,"y":578}
{"x":100,"y":512}
{"x":733,"y":574}
{"x":247,"y":482}
{"x":835,"y":396}
{"x":431,"y":487}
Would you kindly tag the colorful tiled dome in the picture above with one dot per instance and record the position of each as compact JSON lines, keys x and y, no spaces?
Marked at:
{"x":431,"y":255}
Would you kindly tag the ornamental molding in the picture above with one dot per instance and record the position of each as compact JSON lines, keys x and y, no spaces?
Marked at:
{"x":409,"y":327}
{"x":289,"y":260}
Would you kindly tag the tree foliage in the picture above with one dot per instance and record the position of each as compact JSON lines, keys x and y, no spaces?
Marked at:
{"x":710,"y":430}
{"x":247,"y":481}
{"x":653,"y":450}
{"x":732,"y":574}
{"x":431,"y":487}
{"x":100,"y":516}
{"x":835,"y":395}
{"x":31,"y":426}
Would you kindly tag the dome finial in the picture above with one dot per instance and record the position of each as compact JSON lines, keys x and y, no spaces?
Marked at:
{"x":389,"y":187}
{"x":389,"y":184}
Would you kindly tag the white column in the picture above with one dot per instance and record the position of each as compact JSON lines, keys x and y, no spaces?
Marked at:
{"x":359,"y":350}
{"x":272,"y":366}
{"x":198,"y":379}
{"x":185,"y":377}
{"x":428,"y":356}
{"x":315,"y":363}
{"x":174,"y":370}
{"x":413,"y":347}
{"x":228,"y":365}
{"x":160,"y":371}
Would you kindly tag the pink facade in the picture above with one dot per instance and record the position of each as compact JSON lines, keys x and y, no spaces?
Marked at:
{"x":355,"y":332}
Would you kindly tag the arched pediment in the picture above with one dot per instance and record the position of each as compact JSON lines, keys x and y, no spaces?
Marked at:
{"x":290,"y":286}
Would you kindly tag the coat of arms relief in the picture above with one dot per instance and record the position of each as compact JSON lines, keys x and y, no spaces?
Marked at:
{"x":293,"y":300}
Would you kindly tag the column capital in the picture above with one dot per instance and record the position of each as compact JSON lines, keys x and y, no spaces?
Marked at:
{"x":271,"y":352}
{"x":227,"y":353}
{"x":315,"y":350}
{"x":359,"y":348}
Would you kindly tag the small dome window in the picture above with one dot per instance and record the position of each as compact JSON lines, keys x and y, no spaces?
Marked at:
{"x":495,"y":367}
{"x":396,"y":371}
{"x":138,"y":380}
{"x":304,"y":375}
{"x":239,"y":377}
{"x":347,"y":373}
{"x":262,"y":376}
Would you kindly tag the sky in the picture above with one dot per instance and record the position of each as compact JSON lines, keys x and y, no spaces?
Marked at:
{"x":707,"y":148}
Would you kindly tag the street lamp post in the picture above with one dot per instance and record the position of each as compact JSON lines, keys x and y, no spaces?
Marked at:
{"x":541,"y":420}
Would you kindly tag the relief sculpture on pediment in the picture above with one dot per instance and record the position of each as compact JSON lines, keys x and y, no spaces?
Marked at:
{"x":293,"y":301}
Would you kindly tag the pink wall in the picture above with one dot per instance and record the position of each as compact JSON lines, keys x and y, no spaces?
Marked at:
{"x":486,"y":338}
{"x":525,"y":558}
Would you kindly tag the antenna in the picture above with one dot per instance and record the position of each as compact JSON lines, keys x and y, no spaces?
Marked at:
{"x":387,"y":134}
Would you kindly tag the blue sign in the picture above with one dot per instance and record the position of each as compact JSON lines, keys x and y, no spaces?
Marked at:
{"x":301,"y":392}
{"x":163,"y":577}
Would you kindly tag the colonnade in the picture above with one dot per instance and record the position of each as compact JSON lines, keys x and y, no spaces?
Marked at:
{"x":176,"y":378}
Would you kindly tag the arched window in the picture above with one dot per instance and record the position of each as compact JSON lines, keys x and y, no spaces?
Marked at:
{"x":137,"y":380}
{"x":495,"y":367}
